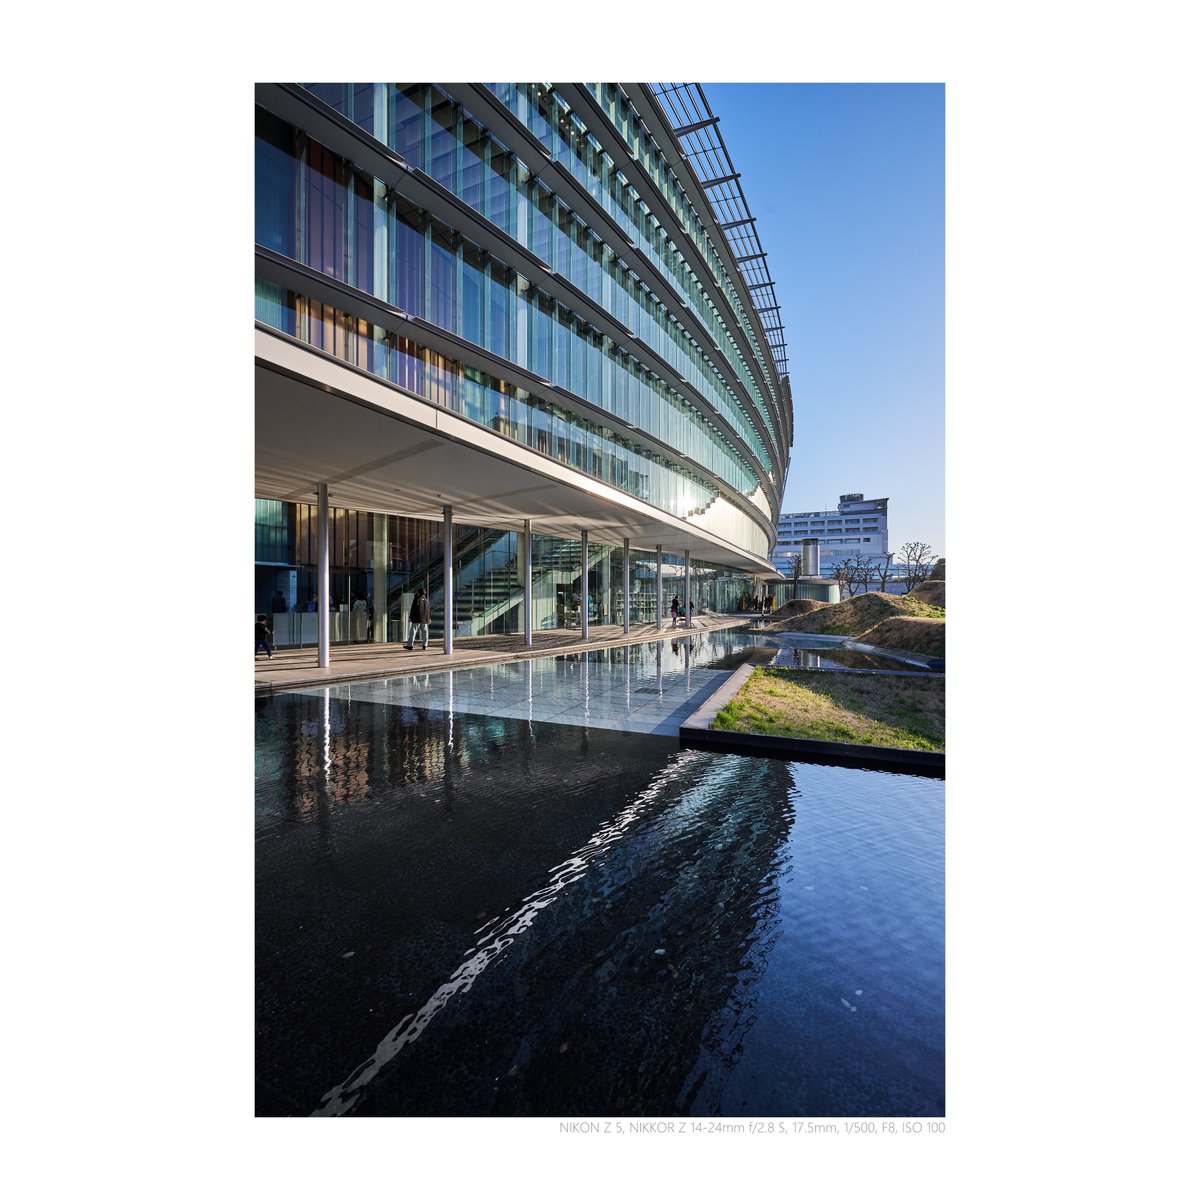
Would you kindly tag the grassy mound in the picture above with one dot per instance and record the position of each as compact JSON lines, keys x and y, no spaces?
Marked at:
{"x":922,"y":635}
{"x":853,"y":617}
{"x":795,"y":608}
{"x":932,"y":591}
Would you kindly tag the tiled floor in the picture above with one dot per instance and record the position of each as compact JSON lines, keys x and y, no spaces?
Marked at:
{"x":644,"y":689}
{"x":296,"y":667}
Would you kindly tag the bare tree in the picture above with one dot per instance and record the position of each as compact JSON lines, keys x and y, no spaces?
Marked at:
{"x":863,"y":569}
{"x":917,"y":560}
{"x":847,"y":576}
{"x":884,"y":570}
{"x":797,"y":571}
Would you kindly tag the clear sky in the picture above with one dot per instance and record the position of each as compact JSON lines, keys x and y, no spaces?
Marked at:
{"x":848,"y":184}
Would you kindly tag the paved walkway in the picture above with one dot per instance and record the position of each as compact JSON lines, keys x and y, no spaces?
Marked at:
{"x":296,"y":667}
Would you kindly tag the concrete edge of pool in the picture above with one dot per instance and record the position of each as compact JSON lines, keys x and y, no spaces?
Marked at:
{"x":695,"y":733}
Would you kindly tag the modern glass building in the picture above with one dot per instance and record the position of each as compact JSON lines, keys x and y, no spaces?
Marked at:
{"x":513,"y":342}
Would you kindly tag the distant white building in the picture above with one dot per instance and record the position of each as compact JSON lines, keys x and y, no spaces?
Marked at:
{"x":856,"y":526}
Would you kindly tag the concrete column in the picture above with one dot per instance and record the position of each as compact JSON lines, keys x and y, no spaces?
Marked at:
{"x":322,"y":575}
{"x":583,"y":588}
{"x":448,"y":575}
{"x":687,"y":587}
{"x":658,"y":577}
{"x":527,"y":569}
{"x":604,"y":588}
{"x":625,"y":568}
{"x":379,"y":559}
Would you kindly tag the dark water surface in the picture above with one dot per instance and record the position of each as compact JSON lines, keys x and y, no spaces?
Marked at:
{"x":472,"y":915}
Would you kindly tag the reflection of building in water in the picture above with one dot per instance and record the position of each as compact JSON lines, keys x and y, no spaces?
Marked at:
{"x":579,"y":858}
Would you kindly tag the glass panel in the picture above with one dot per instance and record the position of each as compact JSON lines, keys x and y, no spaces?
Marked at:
{"x":276,"y":174}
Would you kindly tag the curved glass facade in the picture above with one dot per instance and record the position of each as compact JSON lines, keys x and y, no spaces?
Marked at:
{"x":526,"y":337}
{"x":436,"y":134}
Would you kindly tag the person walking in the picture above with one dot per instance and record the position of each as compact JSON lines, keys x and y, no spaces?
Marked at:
{"x":359,"y":607}
{"x":675,"y":607}
{"x":419,"y":615}
{"x":262,"y":636}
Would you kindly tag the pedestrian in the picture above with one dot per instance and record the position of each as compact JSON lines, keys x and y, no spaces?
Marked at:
{"x":418,"y":616}
{"x":262,"y":636}
{"x":278,"y":603}
{"x":359,"y":606}
{"x":675,"y":606}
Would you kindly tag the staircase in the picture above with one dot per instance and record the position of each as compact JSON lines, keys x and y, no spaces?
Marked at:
{"x":488,"y":588}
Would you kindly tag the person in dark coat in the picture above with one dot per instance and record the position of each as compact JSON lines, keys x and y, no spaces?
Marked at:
{"x":419,"y":616}
{"x":262,"y":637}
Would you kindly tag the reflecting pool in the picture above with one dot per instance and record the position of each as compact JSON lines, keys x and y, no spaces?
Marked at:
{"x":484,"y":913}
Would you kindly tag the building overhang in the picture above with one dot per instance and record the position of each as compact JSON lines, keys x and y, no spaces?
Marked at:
{"x":378,"y":448}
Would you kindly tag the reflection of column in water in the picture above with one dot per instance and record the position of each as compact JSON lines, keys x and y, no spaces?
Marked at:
{"x":658,"y":660}
{"x":529,"y":687}
{"x":628,"y":684}
{"x":687,"y":665}
{"x":326,"y":736}
{"x":324,"y":795}
{"x":585,"y":679}
{"x":448,"y":749}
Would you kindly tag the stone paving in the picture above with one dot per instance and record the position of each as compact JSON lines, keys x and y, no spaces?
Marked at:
{"x":296,"y":667}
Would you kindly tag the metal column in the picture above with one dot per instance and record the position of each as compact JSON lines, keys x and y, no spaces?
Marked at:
{"x":687,"y":587}
{"x":583,"y":584}
{"x":658,"y":552}
{"x":448,"y":575}
{"x":322,"y":574}
{"x":528,"y":569}
{"x":625,"y":547}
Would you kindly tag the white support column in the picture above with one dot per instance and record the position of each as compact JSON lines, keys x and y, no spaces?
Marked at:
{"x":448,"y":575}
{"x":687,"y":587}
{"x":379,"y":558}
{"x":583,"y":585}
{"x":658,"y":552}
{"x":528,"y":572}
{"x":625,"y":568}
{"x":322,"y":575}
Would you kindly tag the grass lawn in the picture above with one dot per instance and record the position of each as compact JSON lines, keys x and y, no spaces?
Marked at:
{"x":903,"y":712}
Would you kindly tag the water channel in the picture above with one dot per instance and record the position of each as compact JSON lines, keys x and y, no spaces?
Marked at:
{"x":508,"y":891}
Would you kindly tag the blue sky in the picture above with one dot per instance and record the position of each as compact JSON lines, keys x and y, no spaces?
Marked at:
{"x":848,"y":184}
